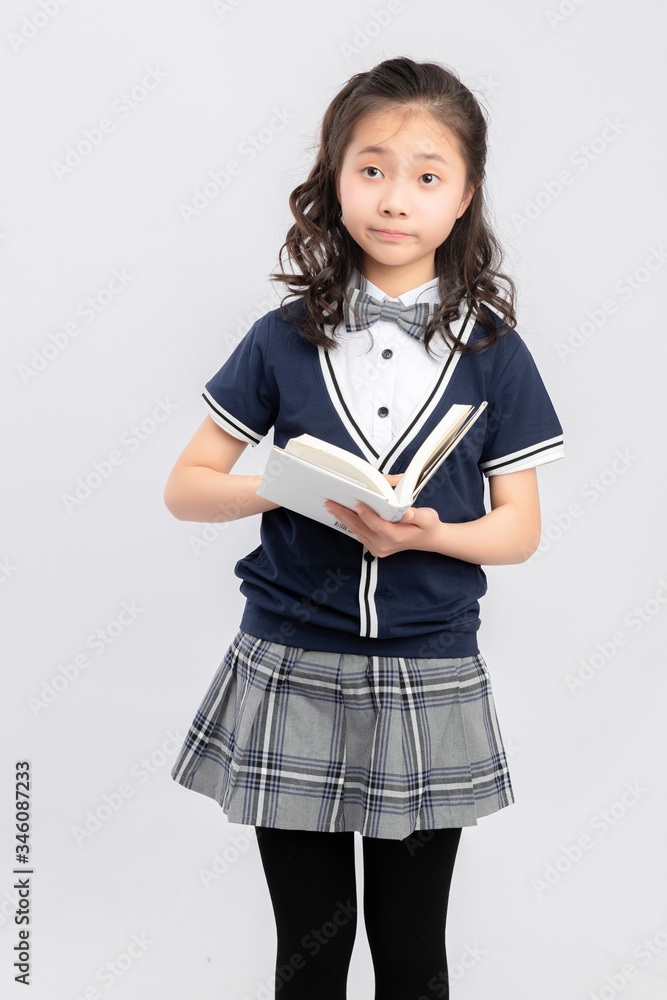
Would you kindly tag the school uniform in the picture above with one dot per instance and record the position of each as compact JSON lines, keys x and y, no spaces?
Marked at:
{"x":354,"y":695}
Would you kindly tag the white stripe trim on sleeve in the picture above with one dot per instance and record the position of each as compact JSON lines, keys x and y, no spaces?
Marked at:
{"x":526,"y":458}
{"x":229,"y":422}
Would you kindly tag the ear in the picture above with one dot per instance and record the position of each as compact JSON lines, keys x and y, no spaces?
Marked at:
{"x":466,"y":200}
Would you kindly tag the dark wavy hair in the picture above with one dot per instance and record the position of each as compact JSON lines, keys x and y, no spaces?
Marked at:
{"x":323,"y":253}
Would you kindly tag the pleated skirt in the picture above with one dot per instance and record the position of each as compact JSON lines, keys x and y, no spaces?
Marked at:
{"x":313,"y":740}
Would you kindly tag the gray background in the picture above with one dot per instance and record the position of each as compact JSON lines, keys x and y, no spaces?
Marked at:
{"x":561,"y":895}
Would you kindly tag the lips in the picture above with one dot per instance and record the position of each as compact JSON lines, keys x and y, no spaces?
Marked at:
{"x":391,"y":232}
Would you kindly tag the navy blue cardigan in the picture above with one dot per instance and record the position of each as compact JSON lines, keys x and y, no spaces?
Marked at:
{"x":310,"y":586}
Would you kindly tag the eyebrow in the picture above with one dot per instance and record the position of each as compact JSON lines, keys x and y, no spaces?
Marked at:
{"x":416,"y":156}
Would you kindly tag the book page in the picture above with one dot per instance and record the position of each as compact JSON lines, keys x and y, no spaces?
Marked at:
{"x":435,"y":458}
{"x":429,"y":453}
{"x":339,"y":460}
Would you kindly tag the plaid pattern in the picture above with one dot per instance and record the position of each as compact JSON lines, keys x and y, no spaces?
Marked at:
{"x":361,"y":309}
{"x":315,"y":740}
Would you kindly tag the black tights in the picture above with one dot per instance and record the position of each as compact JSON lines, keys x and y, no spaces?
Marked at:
{"x":311,"y":881}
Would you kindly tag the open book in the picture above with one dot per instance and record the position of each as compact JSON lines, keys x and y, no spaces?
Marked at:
{"x":308,"y":471}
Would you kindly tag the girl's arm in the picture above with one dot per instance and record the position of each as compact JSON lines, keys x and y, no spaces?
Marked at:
{"x":509,"y":533}
{"x":200,"y":488}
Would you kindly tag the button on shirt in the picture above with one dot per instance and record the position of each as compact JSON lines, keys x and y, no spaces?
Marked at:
{"x":384,"y":370}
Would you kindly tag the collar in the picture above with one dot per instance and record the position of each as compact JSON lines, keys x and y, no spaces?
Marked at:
{"x":428,"y":292}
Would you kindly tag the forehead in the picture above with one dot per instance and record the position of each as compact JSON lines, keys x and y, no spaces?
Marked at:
{"x":404,"y":135}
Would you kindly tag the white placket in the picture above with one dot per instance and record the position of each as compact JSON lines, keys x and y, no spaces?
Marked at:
{"x":382,"y":452}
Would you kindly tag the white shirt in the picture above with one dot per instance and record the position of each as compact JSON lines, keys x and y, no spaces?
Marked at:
{"x":389,"y":379}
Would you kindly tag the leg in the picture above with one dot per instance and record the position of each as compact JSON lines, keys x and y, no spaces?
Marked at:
{"x":406,"y":891}
{"x":311,"y":881}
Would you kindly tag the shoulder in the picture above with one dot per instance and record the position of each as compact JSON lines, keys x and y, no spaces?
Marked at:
{"x":273,"y":344}
{"x":270,"y":335}
{"x":508,"y":346}
{"x":279,"y":324}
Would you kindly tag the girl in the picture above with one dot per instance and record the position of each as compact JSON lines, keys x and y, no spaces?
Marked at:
{"x":354,"y":696}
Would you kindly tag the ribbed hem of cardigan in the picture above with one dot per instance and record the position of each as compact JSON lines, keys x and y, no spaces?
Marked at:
{"x":442,"y":644}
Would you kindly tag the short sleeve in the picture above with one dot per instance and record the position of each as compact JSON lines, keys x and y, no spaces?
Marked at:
{"x":523,"y":429}
{"x":242,"y":397}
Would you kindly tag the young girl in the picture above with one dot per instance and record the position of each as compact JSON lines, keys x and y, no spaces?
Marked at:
{"x":354,"y":696}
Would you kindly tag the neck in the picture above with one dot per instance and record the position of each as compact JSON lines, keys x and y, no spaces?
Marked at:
{"x":394,"y":280}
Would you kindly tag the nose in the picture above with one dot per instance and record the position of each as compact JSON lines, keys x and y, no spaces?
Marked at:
{"x":394,"y":200}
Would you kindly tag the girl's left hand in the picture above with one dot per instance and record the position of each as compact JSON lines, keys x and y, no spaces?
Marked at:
{"x":382,"y":538}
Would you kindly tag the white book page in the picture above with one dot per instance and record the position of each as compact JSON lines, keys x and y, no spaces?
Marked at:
{"x":330,"y":456}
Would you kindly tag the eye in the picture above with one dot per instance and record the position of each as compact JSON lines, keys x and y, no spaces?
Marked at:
{"x":433,"y":177}
{"x":371,"y":168}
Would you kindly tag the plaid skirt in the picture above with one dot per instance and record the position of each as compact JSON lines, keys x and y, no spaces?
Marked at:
{"x":312,"y":740}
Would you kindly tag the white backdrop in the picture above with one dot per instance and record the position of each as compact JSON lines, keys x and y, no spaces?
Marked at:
{"x":129,"y":273}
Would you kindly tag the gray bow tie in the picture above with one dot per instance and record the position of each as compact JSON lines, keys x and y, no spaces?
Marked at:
{"x":411,"y":319}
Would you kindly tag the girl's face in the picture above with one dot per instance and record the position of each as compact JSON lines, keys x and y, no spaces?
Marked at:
{"x":412,"y":181}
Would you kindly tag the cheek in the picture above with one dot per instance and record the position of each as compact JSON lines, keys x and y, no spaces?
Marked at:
{"x":353,"y":200}
{"x":350,"y":189}
{"x":447,"y":208}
